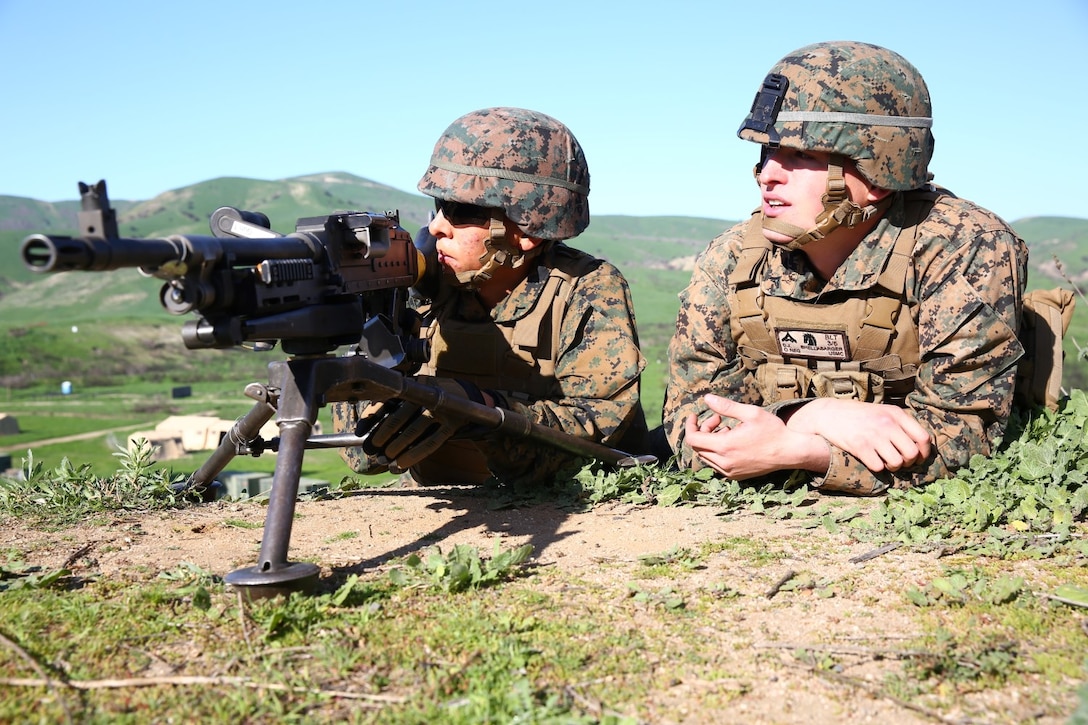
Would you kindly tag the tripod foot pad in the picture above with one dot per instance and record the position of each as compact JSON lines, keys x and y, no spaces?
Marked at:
{"x":261,"y":583}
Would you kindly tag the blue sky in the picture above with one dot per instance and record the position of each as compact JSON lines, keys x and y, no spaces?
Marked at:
{"x":154,"y":96}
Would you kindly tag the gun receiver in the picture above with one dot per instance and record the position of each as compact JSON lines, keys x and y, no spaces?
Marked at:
{"x":344,"y":279}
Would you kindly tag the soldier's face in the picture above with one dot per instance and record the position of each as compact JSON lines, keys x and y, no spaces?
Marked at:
{"x":459,"y":246}
{"x":792,"y":184}
{"x":461,"y":243}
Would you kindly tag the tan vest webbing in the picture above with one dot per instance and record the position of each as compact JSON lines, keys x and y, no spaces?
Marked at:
{"x":516,"y":359}
{"x":882,"y":342}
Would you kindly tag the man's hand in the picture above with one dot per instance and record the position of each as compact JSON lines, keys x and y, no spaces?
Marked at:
{"x":758,"y":444}
{"x":405,"y":433}
{"x":882,"y":437}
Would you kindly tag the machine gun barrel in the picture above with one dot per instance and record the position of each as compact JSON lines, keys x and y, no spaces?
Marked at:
{"x":313,"y":289}
{"x":50,"y":253}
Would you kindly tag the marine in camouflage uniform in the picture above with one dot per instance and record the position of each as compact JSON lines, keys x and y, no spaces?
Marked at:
{"x":919,"y":315}
{"x":524,"y":322}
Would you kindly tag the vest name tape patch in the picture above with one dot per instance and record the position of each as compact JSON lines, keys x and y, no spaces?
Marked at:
{"x":816,"y":344}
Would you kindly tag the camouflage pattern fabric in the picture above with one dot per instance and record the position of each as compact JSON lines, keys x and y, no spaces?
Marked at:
{"x":345,"y":418}
{"x":597,"y":369}
{"x":888,"y":133}
{"x":965,"y":292}
{"x":524,"y":162}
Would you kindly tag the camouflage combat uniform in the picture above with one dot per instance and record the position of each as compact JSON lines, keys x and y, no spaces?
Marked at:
{"x":561,"y":349}
{"x":964,"y":291}
{"x":587,"y":383}
{"x":950,"y":313}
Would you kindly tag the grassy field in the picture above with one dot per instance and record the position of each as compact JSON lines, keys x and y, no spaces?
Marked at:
{"x":90,"y":427}
{"x":651,"y":598}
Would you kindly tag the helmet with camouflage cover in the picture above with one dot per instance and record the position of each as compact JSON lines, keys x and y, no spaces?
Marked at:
{"x":851,"y":100}
{"x":524,"y":162}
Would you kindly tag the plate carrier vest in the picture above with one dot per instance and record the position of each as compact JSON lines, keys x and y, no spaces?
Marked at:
{"x":516,"y":360}
{"x":847,"y":345}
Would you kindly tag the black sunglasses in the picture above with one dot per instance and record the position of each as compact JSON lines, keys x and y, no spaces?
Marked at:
{"x":457,"y":213}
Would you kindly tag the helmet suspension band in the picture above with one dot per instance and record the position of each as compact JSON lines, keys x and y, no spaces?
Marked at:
{"x":839,"y":210}
{"x":498,"y":252}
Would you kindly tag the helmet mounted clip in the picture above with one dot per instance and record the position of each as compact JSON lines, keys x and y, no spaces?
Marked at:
{"x":765,"y":108}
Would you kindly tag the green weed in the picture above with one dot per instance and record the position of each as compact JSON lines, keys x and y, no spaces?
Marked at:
{"x":459,"y":570}
{"x":242,"y":524}
{"x":1022,"y":501}
{"x":69,"y":493}
{"x":342,"y":536}
{"x":23,"y":576}
{"x":662,"y":484}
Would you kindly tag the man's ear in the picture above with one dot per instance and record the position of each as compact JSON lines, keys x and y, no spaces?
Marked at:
{"x":528,"y":244}
{"x":876,"y":194}
{"x":519,"y":240}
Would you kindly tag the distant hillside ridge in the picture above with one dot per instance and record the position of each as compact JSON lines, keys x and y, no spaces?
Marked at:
{"x":186,"y":211}
{"x":655,"y":253}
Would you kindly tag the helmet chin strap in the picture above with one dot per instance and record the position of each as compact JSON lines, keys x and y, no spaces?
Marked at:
{"x":498,"y":252}
{"x":838,"y":211}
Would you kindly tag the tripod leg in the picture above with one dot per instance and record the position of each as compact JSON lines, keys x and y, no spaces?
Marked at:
{"x":273,"y":574}
{"x":246,"y":430}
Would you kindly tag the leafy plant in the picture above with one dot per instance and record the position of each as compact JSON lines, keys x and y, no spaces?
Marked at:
{"x":69,"y":493}
{"x":958,"y":586}
{"x":461,"y":569}
{"x":1072,"y":595}
{"x":193,"y":582}
{"x":22,"y":576}
{"x":668,"y":598}
{"x":679,"y":556}
{"x":666,"y":485}
{"x":1024,"y":499}
{"x":993,"y":658}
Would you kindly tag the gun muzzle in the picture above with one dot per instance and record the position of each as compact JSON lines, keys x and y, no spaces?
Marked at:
{"x":45,"y":253}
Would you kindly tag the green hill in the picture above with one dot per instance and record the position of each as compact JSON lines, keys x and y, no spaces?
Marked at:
{"x":653,"y":252}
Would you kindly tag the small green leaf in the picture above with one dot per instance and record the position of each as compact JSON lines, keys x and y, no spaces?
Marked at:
{"x":202,"y":600}
{"x":670,"y":494}
{"x":918,"y":597}
{"x":341,"y":594}
{"x":957,"y":491}
{"x":1071,"y":594}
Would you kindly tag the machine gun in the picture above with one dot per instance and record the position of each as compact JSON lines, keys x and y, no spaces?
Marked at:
{"x":340,"y":280}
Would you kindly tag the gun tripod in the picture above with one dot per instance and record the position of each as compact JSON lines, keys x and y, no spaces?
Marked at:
{"x":297,"y":388}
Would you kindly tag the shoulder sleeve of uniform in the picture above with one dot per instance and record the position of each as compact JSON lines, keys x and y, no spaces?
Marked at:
{"x":725,"y":246}
{"x":953,"y":217}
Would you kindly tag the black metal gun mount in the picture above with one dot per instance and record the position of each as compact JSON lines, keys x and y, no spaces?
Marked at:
{"x":340,"y":280}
